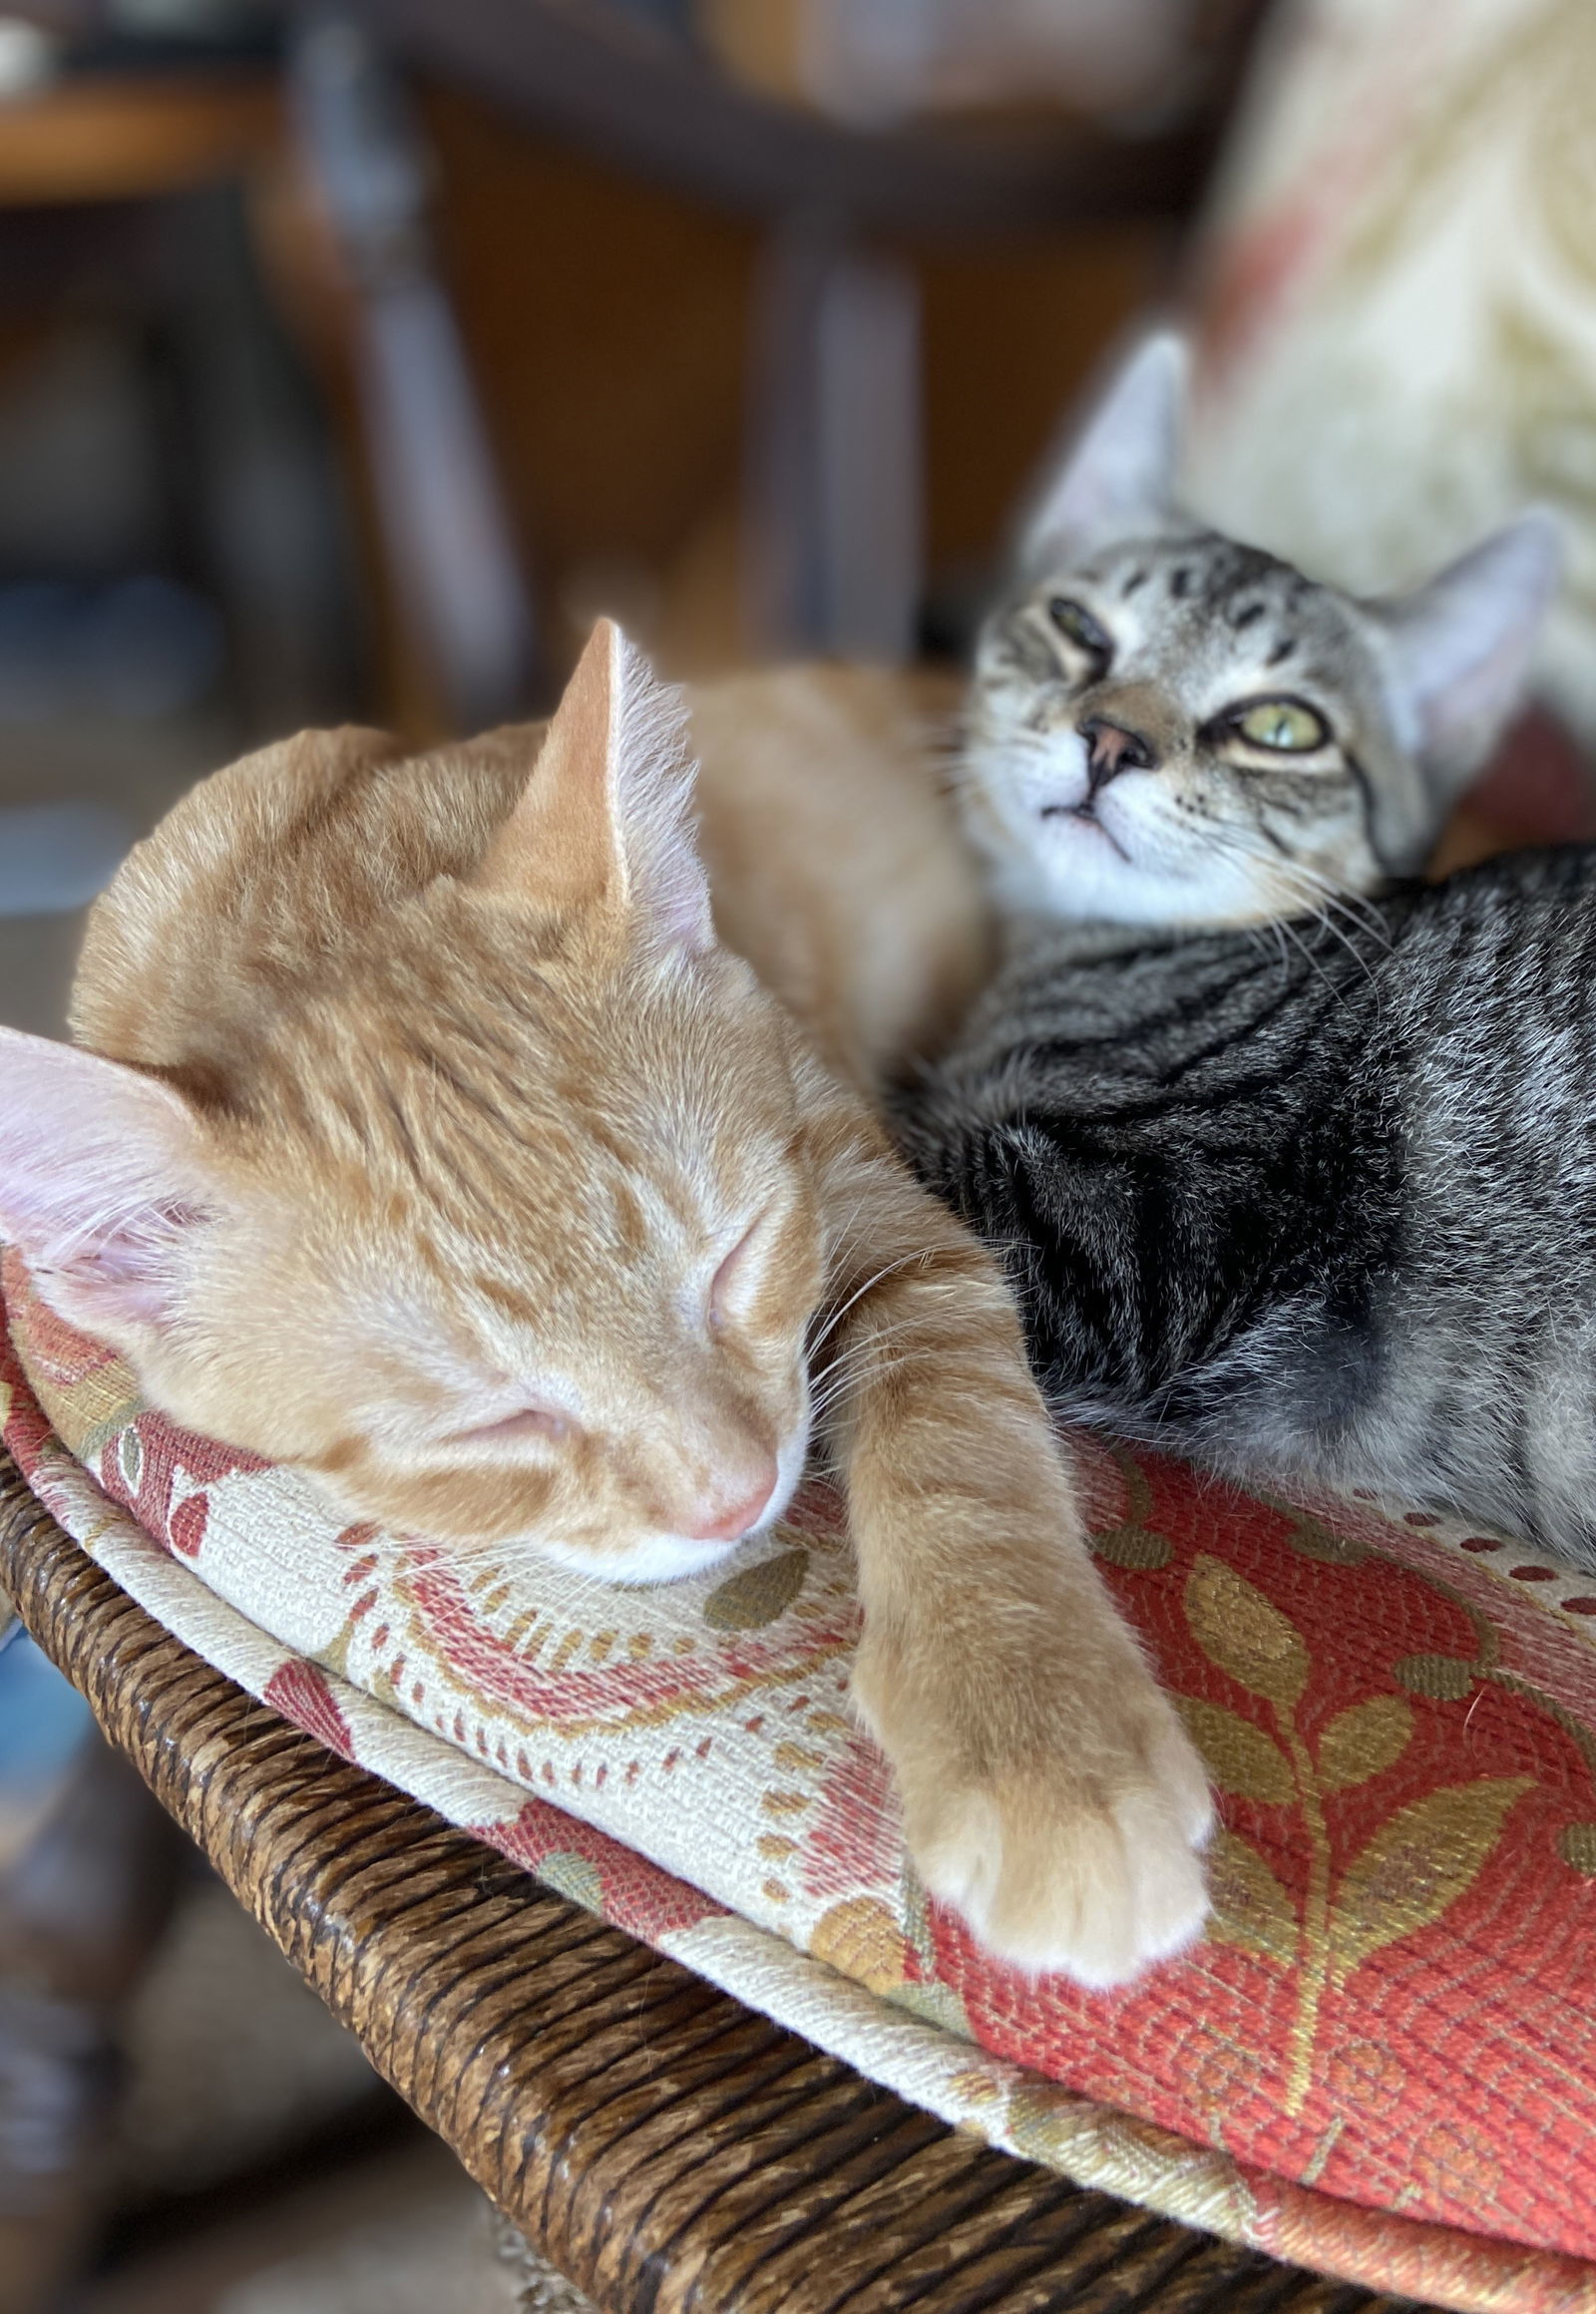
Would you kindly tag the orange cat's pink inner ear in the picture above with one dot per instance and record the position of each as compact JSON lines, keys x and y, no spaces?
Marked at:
{"x":104,"y":1173}
{"x":559,"y":847}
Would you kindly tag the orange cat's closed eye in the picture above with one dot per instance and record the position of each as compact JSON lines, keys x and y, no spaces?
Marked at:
{"x":730,"y":1288}
{"x":526,"y":1423}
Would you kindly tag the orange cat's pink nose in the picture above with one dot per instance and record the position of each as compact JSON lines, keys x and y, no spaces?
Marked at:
{"x":727,"y":1525}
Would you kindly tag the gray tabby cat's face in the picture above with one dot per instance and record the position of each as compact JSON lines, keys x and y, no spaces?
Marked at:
{"x":1181,"y":730}
{"x":1166,"y":727}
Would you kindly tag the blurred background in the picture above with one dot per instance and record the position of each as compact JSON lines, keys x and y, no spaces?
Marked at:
{"x":351,"y":360}
{"x":348,"y":365}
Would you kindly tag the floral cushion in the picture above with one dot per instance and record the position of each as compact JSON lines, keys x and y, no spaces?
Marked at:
{"x":1383,"y":2060}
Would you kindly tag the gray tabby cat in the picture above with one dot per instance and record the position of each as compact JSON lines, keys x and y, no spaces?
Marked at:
{"x":1293,"y":1158}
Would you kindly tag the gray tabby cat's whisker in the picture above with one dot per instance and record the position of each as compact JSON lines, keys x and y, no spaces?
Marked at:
{"x":1320,"y":915}
{"x":1289,"y":928}
{"x":1351,"y":904}
{"x":1326,"y":923}
{"x":1318,"y":896}
{"x":1256,"y":933}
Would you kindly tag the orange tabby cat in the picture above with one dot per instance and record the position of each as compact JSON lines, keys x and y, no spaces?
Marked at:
{"x":445,"y":1155}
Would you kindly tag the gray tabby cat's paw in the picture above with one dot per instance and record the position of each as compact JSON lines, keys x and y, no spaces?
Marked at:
{"x":1050,"y":1875}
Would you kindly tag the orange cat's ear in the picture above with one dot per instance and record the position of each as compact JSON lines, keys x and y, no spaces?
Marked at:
{"x":603,"y":822}
{"x":103,"y":1178}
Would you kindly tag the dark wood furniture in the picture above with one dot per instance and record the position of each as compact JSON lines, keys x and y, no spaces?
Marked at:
{"x":599,"y":78}
{"x":832,"y":515}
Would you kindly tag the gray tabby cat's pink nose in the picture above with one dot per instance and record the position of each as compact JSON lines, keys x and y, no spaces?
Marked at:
{"x":1111,"y":748}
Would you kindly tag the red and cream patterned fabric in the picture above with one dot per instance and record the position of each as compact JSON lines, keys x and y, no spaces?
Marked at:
{"x":1383,"y":2060}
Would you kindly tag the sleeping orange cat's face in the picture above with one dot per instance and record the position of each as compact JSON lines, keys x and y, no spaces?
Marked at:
{"x":560,"y":1292}
{"x":475,"y":1182}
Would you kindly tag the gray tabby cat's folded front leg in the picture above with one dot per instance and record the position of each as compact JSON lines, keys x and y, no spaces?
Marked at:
{"x":1049,"y":1792}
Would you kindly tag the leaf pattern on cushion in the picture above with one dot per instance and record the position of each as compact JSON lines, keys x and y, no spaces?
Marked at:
{"x":1251,"y":1907}
{"x":1418,"y":1864}
{"x":1129,"y":1540}
{"x":187,"y":1524}
{"x":759,"y":1594}
{"x":1239,"y":1757}
{"x":634,"y":1893}
{"x":1238,"y":1629}
{"x":1362,"y":1740}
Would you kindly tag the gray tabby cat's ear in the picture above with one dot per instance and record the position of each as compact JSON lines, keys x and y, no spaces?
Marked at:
{"x":1457,"y":652}
{"x":1117,"y":473}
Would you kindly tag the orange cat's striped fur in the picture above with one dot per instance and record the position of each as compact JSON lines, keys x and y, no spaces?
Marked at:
{"x":441,"y":1151}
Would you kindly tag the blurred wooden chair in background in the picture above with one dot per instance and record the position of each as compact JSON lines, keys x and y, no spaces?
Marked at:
{"x":815,"y":320}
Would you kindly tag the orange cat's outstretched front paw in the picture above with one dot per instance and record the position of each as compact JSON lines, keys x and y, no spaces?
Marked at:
{"x":1082,"y":1852}
{"x":1054,"y":1879}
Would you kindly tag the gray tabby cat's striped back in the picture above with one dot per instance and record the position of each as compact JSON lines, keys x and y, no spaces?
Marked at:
{"x":1327,"y":1209}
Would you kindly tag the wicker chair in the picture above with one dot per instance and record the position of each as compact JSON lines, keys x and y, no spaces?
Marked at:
{"x":663,"y":2146}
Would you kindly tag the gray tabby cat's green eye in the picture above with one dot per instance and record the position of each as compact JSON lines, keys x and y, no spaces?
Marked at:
{"x":1285,"y":725}
{"x":1078,"y":625}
